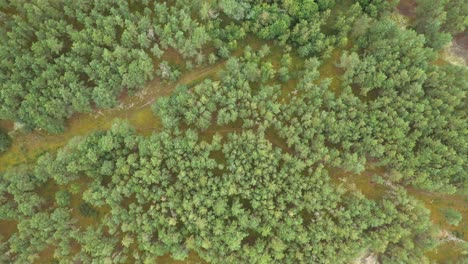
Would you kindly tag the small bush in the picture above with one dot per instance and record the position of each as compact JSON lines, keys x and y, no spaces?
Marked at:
{"x":88,"y":210}
{"x":63,"y":198}
{"x":5,"y":141}
{"x":452,"y":216}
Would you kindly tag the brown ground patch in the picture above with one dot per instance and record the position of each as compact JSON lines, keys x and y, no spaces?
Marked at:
{"x":460,"y":46}
{"x":407,"y":8}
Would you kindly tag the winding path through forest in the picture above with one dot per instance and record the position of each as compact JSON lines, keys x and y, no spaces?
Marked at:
{"x":136,"y":108}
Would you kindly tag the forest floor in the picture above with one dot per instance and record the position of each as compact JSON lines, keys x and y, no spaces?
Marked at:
{"x":457,"y":51}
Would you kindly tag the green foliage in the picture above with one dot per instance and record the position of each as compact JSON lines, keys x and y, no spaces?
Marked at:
{"x":171,"y":194}
{"x":431,"y":16}
{"x":440,"y":20}
{"x":457,"y":20}
{"x":375,"y":7}
{"x":250,"y":195}
{"x":5,"y":141}
{"x":382,"y":44}
{"x":233,"y":8}
{"x":40,"y":230}
{"x":408,"y":111}
{"x":452,"y":216}
{"x":239,"y":172}
{"x":57,"y":60}
{"x":87,"y":210}
{"x":61,"y":59}
{"x":62,"y":198}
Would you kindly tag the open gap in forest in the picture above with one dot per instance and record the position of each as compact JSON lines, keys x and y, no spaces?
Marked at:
{"x":329,"y":70}
{"x":8,"y":228}
{"x":26,"y":147}
{"x":362,"y":182}
{"x":407,"y":8}
{"x":339,"y":8}
{"x":46,"y":255}
{"x":251,"y":238}
{"x":277,"y":141}
{"x":437,"y":203}
{"x":223,"y":130}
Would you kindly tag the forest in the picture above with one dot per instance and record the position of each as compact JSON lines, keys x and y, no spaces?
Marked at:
{"x":233,"y":131}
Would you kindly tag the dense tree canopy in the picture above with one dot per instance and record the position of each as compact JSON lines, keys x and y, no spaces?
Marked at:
{"x":234,"y":198}
{"x":58,"y":59}
{"x":440,"y":20}
{"x":68,"y":57}
{"x":241,"y":165}
{"x":413,"y":103}
{"x":63,"y":58}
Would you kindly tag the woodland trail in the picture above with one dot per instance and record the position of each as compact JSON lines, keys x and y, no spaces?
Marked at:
{"x":26,"y":147}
